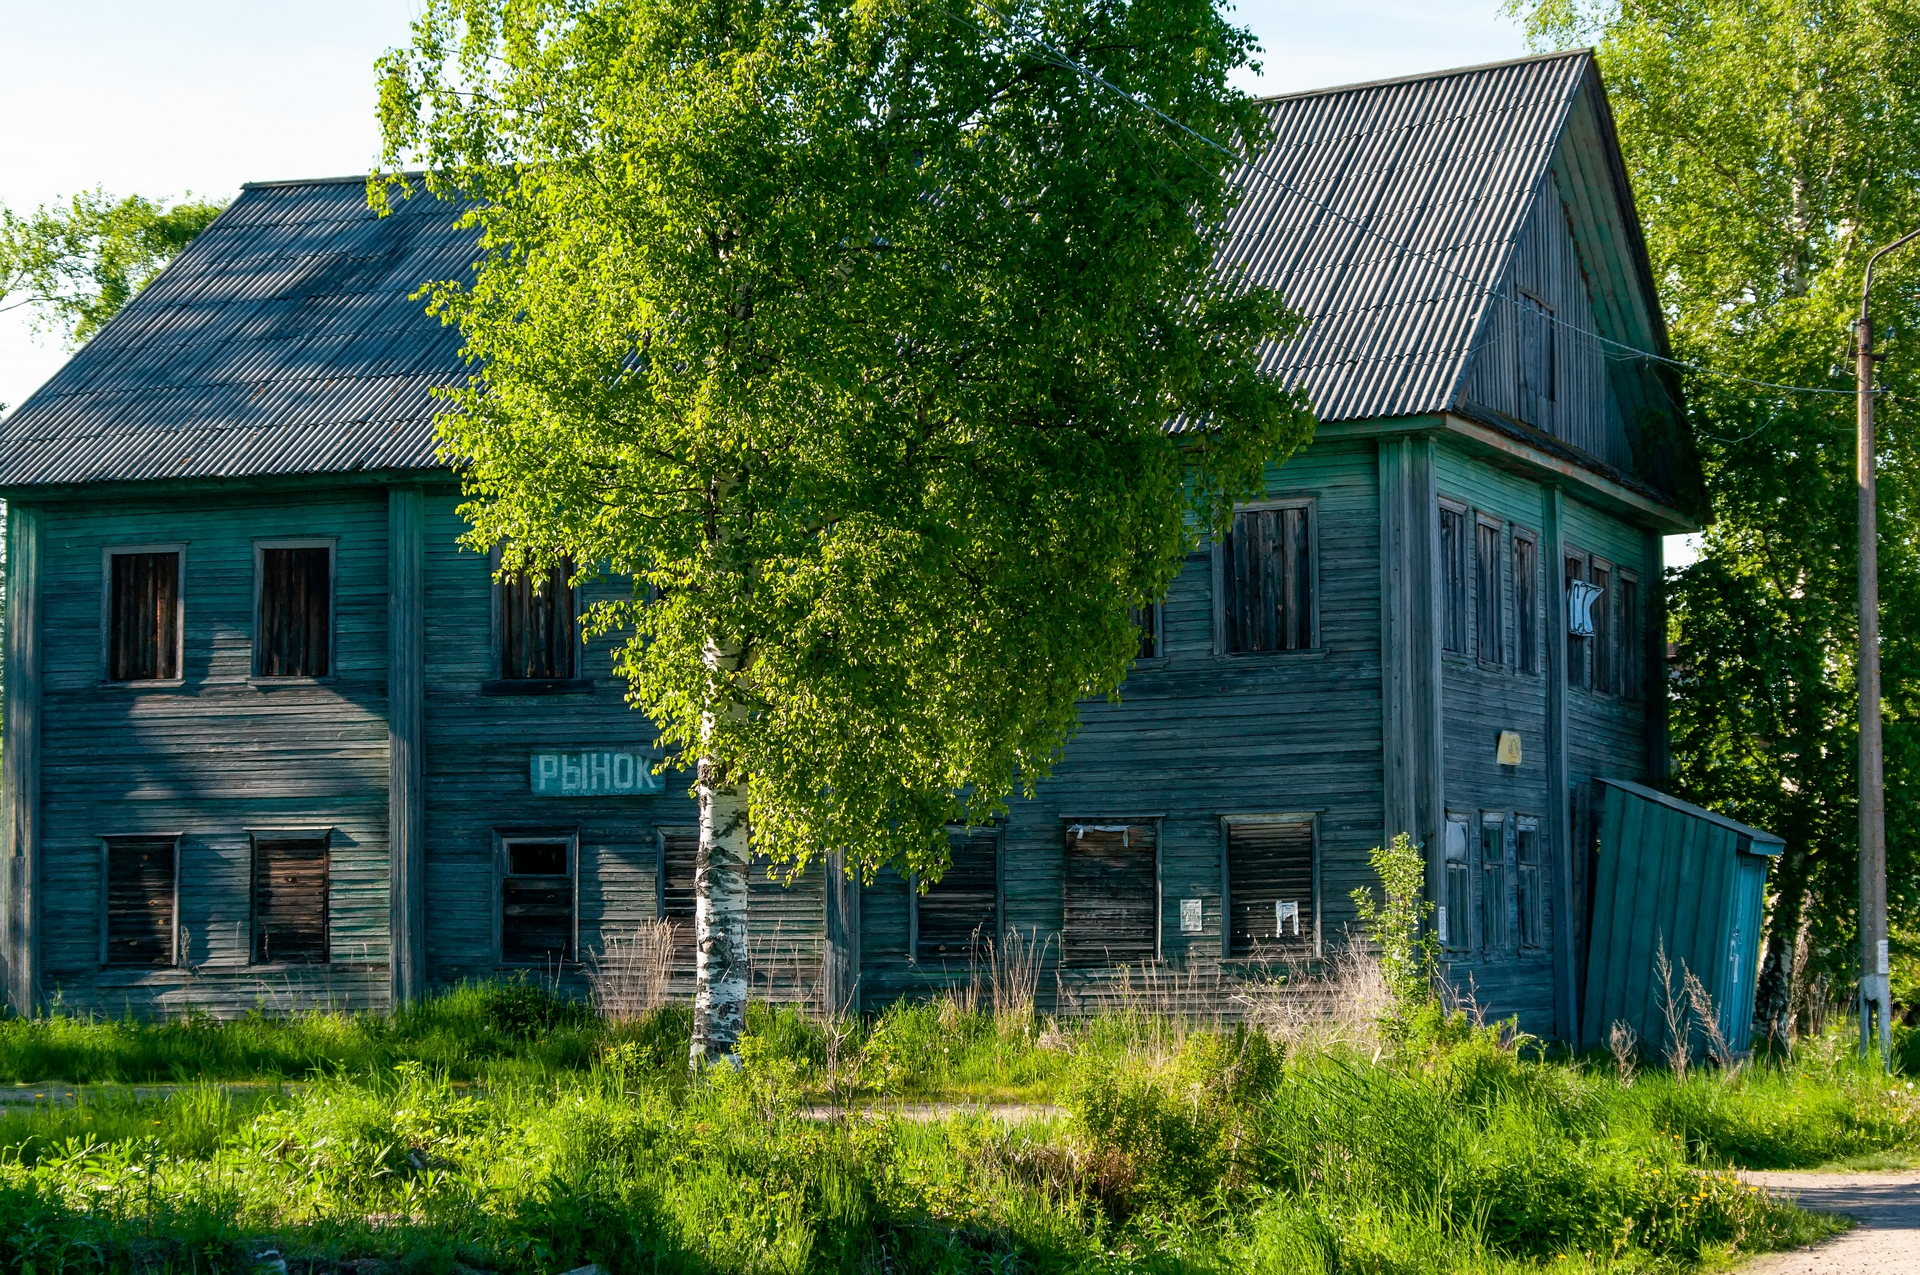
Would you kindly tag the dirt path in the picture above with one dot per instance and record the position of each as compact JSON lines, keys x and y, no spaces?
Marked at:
{"x":1886,"y":1206}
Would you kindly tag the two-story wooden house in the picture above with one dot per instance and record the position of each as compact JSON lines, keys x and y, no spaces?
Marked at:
{"x":272,"y":735}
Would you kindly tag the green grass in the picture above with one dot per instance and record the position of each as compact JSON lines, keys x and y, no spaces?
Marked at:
{"x":1176,"y":1150}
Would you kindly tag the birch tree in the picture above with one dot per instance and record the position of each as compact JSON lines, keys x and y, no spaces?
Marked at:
{"x":879,"y":345}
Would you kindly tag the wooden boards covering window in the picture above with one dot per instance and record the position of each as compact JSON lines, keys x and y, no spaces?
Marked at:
{"x":536,"y":901}
{"x":1112,"y":903}
{"x":536,"y":625}
{"x":961,"y":911}
{"x":143,"y":616}
{"x":290,"y":900}
{"x":293,"y":632}
{"x":1267,"y":581}
{"x":1270,"y":895}
{"x":1487,"y":608}
{"x":1526,"y":601}
{"x":1453,"y":578}
{"x":139,"y":901}
{"x":679,"y":858}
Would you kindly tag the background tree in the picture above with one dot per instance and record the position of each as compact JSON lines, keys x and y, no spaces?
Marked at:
{"x":1773,"y":144}
{"x":75,"y":264}
{"x":850,"y":331}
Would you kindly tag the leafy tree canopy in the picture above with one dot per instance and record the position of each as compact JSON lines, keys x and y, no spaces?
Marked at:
{"x":1773,"y":144}
{"x":851,"y":333}
{"x":75,"y":264}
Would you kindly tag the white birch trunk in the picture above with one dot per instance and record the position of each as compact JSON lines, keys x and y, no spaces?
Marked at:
{"x":719,"y":914}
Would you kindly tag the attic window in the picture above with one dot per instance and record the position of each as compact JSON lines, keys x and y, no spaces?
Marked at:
{"x":1112,"y":903}
{"x":961,"y":911}
{"x":1537,"y":385}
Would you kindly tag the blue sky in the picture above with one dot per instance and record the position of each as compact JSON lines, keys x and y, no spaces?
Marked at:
{"x":202,"y":95}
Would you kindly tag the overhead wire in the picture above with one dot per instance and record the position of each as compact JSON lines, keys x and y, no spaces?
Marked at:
{"x":1250,"y":165}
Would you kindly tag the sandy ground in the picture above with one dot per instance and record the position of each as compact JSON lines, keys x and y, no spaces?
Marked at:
{"x":1886,"y":1206}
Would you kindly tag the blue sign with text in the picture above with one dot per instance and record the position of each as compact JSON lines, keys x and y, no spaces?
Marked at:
{"x":594,"y":773}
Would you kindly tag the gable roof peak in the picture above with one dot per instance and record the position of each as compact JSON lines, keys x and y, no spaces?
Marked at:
{"x":1583,"y":53}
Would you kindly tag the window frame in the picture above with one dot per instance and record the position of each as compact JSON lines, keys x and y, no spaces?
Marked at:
{"x":1526,"y":650}
{"x":1501,"y":908}
{"x":1630,"y":654}
{"x":505,"y":837}
{"x":1539,"y":892}
{"x":1451,"y":925}
{"x":1602,"y":657}
{"x":332,"y":545}
{"x":1310,"y":505}
{"x":1456,"y":597}
{"x":1538,"y":314}
{"x":1579,"y":649}
{"x":1157,"y":626}
{"x":496,"y":683}
{"x":1315,"y":945}
{"x":107,"y":554}
{"x":1064,"y":822}
{"x":999,"y":831}
{"x":106,"y":854}
{"x":1483,"y":521}
{"x":322,"y":833}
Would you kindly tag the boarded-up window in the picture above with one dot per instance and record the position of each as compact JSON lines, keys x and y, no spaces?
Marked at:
{"x":1146,"y":622}
{"x":1533,"y":898}
{"x":294,"y":628}
{"x":1270,"y":887}
{"x":1576,"y":571}
{"x":1453,"y":579}
{"x":143,"y":617}
{"x":1112,"y":912}
{"x":140,"y":900}
{"x":1486,"y":592}
{"x":536,"y":901}
{"x":1493,"y":883}
{"x":679,"y":860}
{"x":1633,"y":651}
{"x":960,"y":911}
{"x":1266,"y":581}
{"x":1456,"y":910}
{"x":1603,"y":655}
{"x":1537,"y":388}
{"x":536,"y":625}
{"x":1526,"y":603}
{"x":290,"y":900}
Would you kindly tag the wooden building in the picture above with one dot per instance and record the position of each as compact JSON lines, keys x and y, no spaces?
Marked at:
{"x":272,"y":736}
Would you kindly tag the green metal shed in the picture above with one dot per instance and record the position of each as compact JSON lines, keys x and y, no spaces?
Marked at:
{"x":1669,"y":875}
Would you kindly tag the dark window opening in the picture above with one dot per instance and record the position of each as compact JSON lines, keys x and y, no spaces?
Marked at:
{"x":536,"y":903}
{"x":1266,"y":575}
{"x":1112,"y":912}
{"x":290,"y":900}
{"x":1270,"y":887}
{"x":293,"y":635}
{"x":1526,"y":601}
{"x":537,"y":625}
{"x":1633,"y":647}
{"x":141,"y":872}
{"x":1537,"y":387}
{"x":1453,"y":579}
{"x":143,"y":617}
{"x":1603,"y":630}
{"x":1533,"y":898}
{"x":1146,"y":622}
{"x":679,"y":861}
{"x":1486,"y":593}
{"x":1576,"y":572}
{"x":1457,"y":908}
{"x":961,"y":911}
{"x":1493,"y":883}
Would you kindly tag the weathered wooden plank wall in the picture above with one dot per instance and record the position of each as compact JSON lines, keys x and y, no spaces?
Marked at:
{"x":20,"y":752}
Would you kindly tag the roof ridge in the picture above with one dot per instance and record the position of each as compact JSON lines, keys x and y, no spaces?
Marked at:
{"x":1425,"y":75}
{"x":357,"y":178}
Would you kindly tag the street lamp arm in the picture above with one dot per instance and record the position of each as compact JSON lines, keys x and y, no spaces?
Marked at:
{"x":1866,"y":284}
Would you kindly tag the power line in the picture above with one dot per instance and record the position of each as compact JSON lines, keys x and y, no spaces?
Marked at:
{"x":1248,"y":165}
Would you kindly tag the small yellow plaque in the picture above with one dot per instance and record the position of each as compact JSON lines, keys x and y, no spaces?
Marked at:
{"x":1508,"y":753}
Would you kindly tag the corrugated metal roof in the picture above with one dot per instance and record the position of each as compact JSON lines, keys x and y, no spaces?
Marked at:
{"x":1385,"y":213}
{"x":284,"y":340}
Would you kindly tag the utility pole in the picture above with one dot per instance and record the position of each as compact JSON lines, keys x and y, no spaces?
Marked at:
{"x":1875,"y":1009}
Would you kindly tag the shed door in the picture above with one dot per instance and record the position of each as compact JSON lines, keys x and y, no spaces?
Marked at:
{"x":1112,"y":912}
{"x":1743,"y":950}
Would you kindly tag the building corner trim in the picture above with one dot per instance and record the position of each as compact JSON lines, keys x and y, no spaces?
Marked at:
{"x":406,"y":734}
{"x":20,"y":762}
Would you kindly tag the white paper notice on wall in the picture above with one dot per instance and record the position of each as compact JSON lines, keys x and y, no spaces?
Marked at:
{"x":1286,"y":913}
{"x":1881,"y":959}
{"x":1192,"y":918}
{"x":1443,"y":923}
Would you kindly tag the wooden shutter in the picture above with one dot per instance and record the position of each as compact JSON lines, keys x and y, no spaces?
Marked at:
{"x":1633,"y":650}
{"x":290,"y":900}
{"x":1270,"y":887}
{"x":143,"y":617}
{"x":1456,"y":916}
{"x":1532,"y":893}
{"x":1112,"y":903}
{"x":293,"y":633}
{"x":1486,"y":593}
{"x":536,"y":627}
{"x":1576,"y":570}
{"x":1494,"y":936}
{"x":1526,"y":598}
{"x":1453,"y":578}
{"x":141,"y":872}
{"x":1266,"y":581}
{"x":536,"y":902}
{"x":1537,"y":348}
{"x":1603,"y":630}
{"x":679,"y":861}
{"x":962,"y":909}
